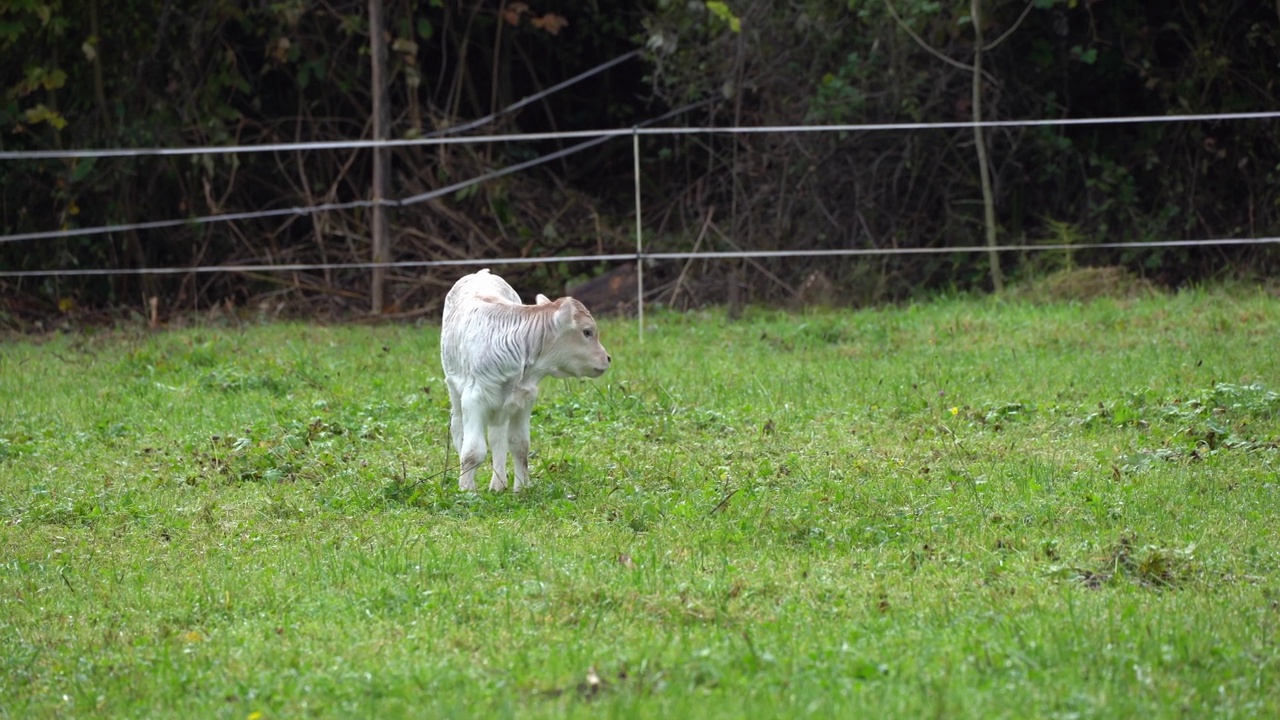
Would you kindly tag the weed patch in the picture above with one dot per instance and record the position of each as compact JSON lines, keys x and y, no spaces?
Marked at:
{"x":1227,"y":417}
{"x":1152,"y":566}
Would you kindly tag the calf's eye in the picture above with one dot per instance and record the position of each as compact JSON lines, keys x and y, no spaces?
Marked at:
{"x":588,"y":333}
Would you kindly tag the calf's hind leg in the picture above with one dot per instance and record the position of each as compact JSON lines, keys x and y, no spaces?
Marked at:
{"x":471,"y":454}
{"x":455,"y":416}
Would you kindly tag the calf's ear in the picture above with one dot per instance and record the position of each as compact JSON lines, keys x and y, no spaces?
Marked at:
{"x":564,"y":315}
{"x":541,"y":300}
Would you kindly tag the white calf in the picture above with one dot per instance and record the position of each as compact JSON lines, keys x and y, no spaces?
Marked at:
{"x":495,"y":350}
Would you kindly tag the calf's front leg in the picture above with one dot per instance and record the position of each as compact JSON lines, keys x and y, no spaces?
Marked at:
{"x":498,"y":437}
{"x":518,"y":435}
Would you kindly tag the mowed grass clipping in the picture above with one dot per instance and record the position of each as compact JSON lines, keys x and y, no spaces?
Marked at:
{"x":965,"y":508}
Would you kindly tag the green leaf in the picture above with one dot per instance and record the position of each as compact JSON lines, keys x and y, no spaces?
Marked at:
{"x":82,"y":168}
{"x":1041,"y":53}
{"x":425,"y":30}
{"x":10,"y":30}
{"x":722,"y":11}
{"x":1085,"y":56}
{"x":54,"y":80}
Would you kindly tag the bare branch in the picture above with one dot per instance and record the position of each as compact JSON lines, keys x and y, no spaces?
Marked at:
{"x":1026,"y":11}
{"x":920,"y":41}
{"x":929,"y":48}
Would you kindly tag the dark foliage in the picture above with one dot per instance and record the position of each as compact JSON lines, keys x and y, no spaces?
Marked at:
{"x":145,"y":73}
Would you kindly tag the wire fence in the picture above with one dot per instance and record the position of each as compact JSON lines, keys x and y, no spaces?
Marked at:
{"x":596,"y":137}
{"x":590,"y":138}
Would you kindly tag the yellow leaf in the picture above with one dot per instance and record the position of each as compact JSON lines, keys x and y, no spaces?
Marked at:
{"x":511,"y":13}
{"x":550,"y":22}
{"x":66,"y":304}
{"x":54,"y":80}
{"x":41,"y":113}
{"x":280,"y":49}
{"x":73,"y":208}
{"x":193,"y":636}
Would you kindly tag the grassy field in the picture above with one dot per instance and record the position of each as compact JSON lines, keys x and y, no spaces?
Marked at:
{"x":965,"y":508}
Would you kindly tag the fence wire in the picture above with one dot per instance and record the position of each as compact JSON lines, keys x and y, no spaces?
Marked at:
{"x":639,"y":256}
{"x":439,"y":138}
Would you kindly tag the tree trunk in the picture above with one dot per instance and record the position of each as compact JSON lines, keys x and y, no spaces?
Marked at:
{"x":984,"y":173}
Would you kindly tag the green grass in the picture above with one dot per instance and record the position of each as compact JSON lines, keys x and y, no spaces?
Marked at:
{"x":966,"y":508}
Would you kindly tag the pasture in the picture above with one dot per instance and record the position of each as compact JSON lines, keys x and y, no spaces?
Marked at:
{"x":962,"y":508}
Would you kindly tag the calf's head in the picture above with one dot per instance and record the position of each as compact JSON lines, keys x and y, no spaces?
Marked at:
{"x":573,"y":346}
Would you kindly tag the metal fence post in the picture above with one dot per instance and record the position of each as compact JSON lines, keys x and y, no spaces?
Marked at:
{"x":635,"y":153}
{"x":381,"y":155}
